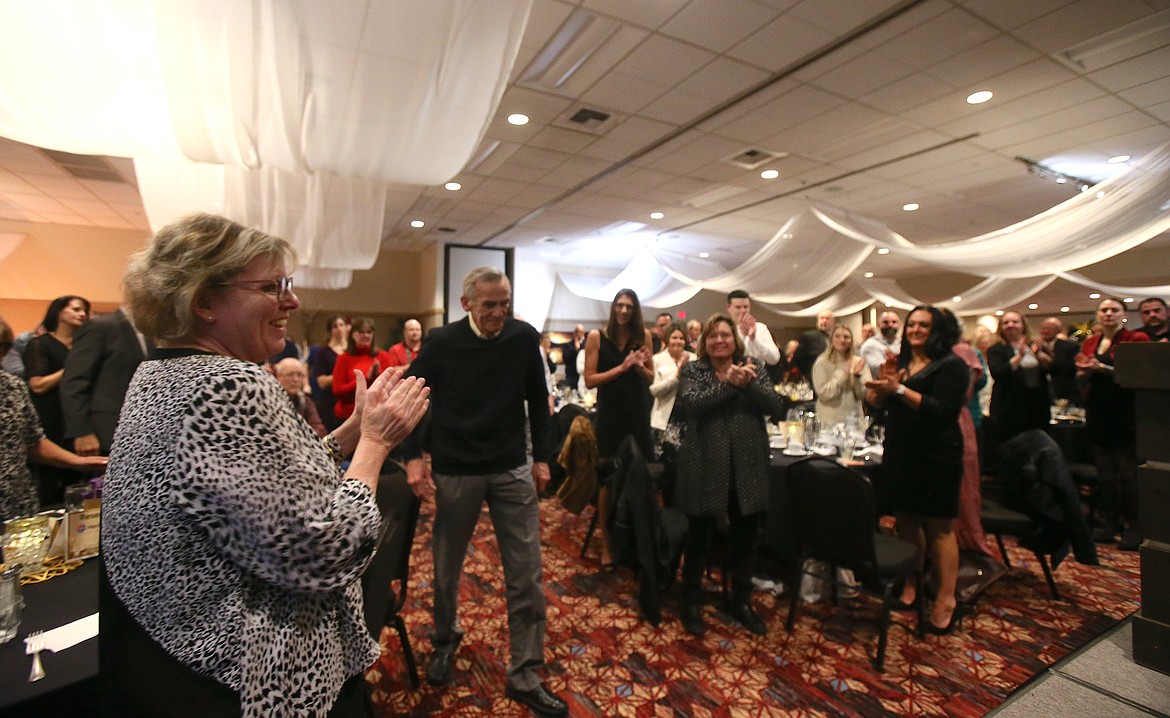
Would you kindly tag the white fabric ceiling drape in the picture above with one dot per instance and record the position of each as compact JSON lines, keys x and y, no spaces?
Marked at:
{"x":816,"y":250}
{"x":300,"y":103}
{"x":1116,"y":215}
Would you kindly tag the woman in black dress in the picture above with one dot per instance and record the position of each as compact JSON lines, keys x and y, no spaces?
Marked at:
{"x":1019,"y":397}
{"x":44,"y":363}
{"x":1111,"y":425}
{"x":723,"y":464}
{"x":619,"y":364}
{"x":923,"y":390}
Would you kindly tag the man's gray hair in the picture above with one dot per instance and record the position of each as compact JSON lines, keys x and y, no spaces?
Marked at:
{"x":490,"y":275}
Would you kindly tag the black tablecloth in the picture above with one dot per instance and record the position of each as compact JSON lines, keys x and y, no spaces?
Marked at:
{"x":70,"y":682}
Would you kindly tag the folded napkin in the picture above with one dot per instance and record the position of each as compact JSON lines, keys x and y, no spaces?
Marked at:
{"x":874,"y":450}
{"x":70,"y":634}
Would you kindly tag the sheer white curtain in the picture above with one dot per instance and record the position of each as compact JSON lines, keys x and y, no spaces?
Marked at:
{"x":307,"y":107}
{"x":1139,"y":293}
{"x":817,"y":250}
{"x":1116,"y":215}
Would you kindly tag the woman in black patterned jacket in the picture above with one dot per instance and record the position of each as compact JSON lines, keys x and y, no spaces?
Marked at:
{"x":723,"y":463}
{"x":231,"y":542}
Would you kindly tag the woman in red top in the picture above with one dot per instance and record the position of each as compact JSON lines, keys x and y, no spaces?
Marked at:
{"x":360,"y":355}
{"x":1112,"y":427}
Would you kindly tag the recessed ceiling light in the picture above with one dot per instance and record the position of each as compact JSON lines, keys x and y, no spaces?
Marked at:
{"x":1128,"y":300}
{"x":770,"y":174}
{"x":704,"y":255}
{"x":888,"y":305}
{"x":956,"y":298}
{"x":1064,"y":309}
{"x":1095,"y":295}
{"x":883,"y":250}
{"x":910,"y":207}
{"x":1118,"y":159}
{"x":518,"y":119}
{"x":869,"y":275}
{"x":978,"y":98}
{"x":656,"y":215}
{"x":416,"y":223}
{"x":1033,"y":306}
{"x":453,"y":186}
{"x":999,"y":312}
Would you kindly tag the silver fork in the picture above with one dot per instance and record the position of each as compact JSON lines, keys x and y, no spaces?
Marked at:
{"x":34,"y":644}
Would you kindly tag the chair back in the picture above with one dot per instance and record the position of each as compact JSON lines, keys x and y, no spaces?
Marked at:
{"x":833,"y":509}
{"x":391,"y":562}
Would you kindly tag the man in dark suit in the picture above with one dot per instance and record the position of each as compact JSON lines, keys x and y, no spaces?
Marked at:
{"x":106,"y":352}
{"x":813,"y":343}
{"x":1059,"y":358}
{"x":569,"y":355}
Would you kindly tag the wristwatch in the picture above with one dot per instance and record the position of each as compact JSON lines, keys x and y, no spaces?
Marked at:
{"x":900,"y":390}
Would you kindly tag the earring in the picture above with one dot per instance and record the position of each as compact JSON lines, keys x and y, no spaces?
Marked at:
{"x":209,"y":318}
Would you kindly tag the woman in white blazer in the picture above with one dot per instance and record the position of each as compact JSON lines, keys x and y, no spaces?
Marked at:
{"x":664,"y":388}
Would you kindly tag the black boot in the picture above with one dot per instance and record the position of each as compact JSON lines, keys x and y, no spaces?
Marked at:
{"x":741,"y":610}
{"x":692,"y":616}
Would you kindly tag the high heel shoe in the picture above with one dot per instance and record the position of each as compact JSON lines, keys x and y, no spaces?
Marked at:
{"x":956,"y":619}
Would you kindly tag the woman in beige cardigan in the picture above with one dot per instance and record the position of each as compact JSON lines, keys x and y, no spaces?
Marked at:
{"x":839,"y":377}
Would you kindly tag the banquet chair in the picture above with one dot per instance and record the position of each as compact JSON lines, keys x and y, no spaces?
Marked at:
{"x":998,"y":520}
{"x":836,"y":524}
{"x":391,"y":562}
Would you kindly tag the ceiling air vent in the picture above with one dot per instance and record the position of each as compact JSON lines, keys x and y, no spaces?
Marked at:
{"x":593,"y":120}
{"x":86,"y":167}
{"x":750,"y":159}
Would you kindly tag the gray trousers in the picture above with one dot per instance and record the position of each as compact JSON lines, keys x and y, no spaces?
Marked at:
{"x":512,"y":504}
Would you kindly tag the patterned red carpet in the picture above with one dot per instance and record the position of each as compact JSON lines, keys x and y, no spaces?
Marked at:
{"x":606,"y":661}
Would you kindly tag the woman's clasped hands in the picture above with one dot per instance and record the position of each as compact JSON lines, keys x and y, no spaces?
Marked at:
{"x":390,"y":407}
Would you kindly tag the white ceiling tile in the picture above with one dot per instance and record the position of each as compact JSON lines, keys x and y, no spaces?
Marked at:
{"x":909,"y":92}
{"x":722,"y":79}
{"x":647,"y":14}
{"x":1137,"y":71}
{"x":1118,"y":127}
{"x":663,"y":61}
{"x":920,"y":47}
{"x":718,"y":24}
{"x":1079,"y":21}
{"x":1148,"y":94}
{"x":1160,"y":111}
{"x":802,"y":103}
{"x":1008,"y":14}
{"x":982,"y":62}
{"x":839,"y":18}
{"x":780,"y":43}
{"x":624,"y":94}
{"x":676,"y":107}
{"x":862,"y":75}
{"x":562,"y":140}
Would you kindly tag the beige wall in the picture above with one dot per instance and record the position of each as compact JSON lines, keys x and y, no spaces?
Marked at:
{"x":53,"y":260}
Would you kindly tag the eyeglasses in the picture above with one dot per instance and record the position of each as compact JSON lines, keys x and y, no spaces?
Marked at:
{"x":280,"y":288}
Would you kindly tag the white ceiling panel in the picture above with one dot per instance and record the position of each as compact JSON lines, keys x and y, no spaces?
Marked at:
{"x":718,"y":24}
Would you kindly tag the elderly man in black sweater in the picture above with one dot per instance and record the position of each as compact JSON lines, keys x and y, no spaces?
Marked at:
{"x":483,"y":371}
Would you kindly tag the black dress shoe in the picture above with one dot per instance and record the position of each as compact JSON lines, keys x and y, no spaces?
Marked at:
{"x":743,"y":613}
{"x":441,"y":668}
{"x":692,"y":619}
{"x":1104,"y":535}
{"x":1130,"y":540}
{"x":540,"y":700}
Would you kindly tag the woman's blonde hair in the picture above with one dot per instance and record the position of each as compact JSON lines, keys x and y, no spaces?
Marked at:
{"x":852,"y":347}
{"x":184,"y":258}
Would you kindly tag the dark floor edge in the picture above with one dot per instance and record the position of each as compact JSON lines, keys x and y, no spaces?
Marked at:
{"x":1030,"y":684}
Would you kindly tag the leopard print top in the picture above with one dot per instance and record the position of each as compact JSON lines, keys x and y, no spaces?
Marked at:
{"x":229,"y":535}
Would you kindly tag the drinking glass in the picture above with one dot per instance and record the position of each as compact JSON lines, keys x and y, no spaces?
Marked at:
{"x":75,"y":496}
